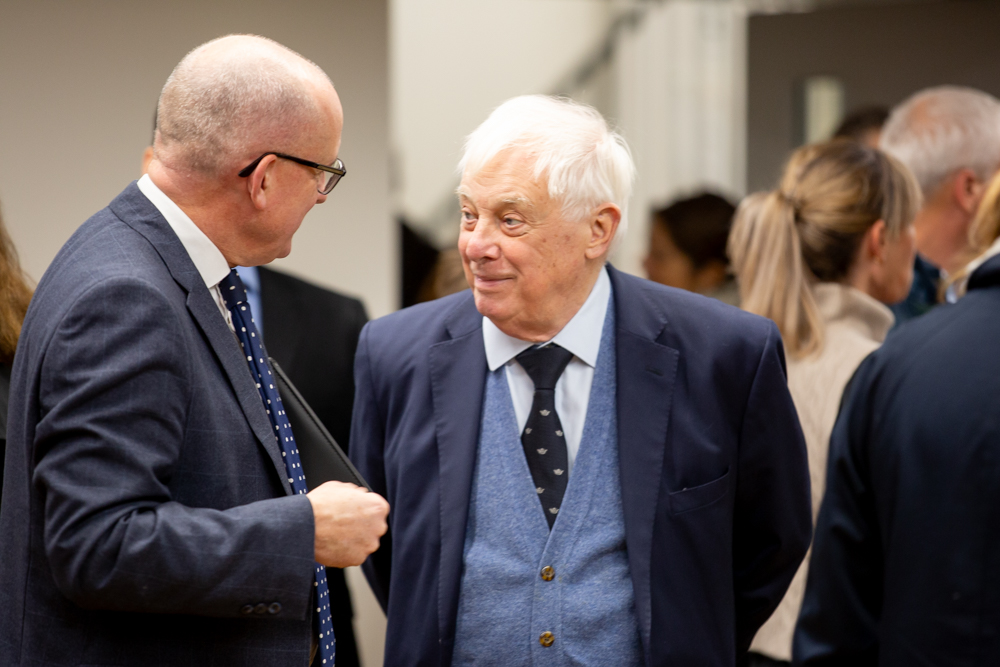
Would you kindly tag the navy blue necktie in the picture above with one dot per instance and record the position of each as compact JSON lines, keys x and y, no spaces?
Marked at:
{"x":543,"y":439}
{"x":234,"y":293}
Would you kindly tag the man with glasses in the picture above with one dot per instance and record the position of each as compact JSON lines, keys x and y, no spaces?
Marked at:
{"x":156,"y":512}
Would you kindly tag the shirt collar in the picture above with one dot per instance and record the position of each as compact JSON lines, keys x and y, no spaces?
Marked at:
{"x":250,"y":277}
{"x":207,"y":258}
{"x":581,"y":335}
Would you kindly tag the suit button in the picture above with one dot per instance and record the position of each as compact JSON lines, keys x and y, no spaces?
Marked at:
{"x":275,"y":608}
{"x":548,"y":573}
{"x":247,"y":609}
{"x":260,"y":608}
{"x":546,"y":639}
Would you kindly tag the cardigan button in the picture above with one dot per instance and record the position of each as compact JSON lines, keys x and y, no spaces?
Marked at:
{"x":548,"y":574}
{"x":546,"y":639}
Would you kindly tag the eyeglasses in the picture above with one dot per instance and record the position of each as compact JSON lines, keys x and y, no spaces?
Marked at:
{"x":331,"y":173}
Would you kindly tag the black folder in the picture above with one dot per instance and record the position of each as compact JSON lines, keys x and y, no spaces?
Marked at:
{"x":322,"y":458}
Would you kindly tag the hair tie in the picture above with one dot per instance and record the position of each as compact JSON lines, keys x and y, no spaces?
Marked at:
{"x":796,"y":204}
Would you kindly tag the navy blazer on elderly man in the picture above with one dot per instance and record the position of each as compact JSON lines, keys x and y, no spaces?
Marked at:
{"x":714,"y":482}
{"x":147,"y":516}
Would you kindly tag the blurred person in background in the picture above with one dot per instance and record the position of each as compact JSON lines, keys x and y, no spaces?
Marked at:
{"x":446,"y":277}
{"x":15,"y":295}
{"x":863,"y":125}
{"x":687,"y":247}
{"x":949,"y":137}
{"x":906,"y":555}
{"x":984,"y":238}
{"x":822,"y":255}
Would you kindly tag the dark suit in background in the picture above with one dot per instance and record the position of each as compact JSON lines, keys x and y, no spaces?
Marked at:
{"x":313,"y":332}
{"x":906,"y":562}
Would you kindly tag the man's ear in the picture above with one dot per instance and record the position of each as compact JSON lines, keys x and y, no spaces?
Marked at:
{"x":603,"y":226}
{"x":967,"y":190}
{"x":260,"y":181}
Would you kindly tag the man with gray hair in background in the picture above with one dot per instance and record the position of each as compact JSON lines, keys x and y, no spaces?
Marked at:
{"x":949,"y":137}
{"x":585,"y":467}
{"x":155,"y":511}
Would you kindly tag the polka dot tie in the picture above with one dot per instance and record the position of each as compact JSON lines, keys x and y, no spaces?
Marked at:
{"x":543,"y":439}
{"x":234,"y":293}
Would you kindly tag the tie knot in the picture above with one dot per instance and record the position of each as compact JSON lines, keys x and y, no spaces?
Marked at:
{"x":545,"y":364}
{"x":233,"y":290}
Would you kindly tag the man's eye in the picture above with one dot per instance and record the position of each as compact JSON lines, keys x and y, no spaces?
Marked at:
{"x":510,"y":222}
{"x":468,"y":216}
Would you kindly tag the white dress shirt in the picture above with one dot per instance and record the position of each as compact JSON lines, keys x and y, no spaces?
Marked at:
{"x":207,"y":258}
{"x":582,"y":337}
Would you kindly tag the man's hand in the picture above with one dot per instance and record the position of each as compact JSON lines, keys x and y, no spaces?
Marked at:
{"x":349,"y":522}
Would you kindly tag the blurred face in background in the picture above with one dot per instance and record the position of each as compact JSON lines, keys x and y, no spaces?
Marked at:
{"x":668,"y":265}
{"x":892,"y":277}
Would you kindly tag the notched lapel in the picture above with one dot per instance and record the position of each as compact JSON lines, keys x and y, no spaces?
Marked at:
{"x":134,"y":209}
{"x":458,"y":377}
{"x":226,"y":348}
{"x":646,"y":374}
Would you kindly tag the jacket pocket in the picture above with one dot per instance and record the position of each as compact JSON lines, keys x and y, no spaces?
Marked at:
{"x":699,"y":496}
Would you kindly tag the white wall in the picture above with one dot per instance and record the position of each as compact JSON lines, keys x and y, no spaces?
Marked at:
{"x":79,"y":83}
{"x":681,"y":100}
{"x":453,"y":61}
{"x":78,"y":86}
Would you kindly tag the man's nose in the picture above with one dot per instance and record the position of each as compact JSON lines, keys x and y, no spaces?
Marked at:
{"x":481,"y":241}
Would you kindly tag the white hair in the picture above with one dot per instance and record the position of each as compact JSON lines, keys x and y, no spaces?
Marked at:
{"x":231,"y":95}
{"x":585,"y":162}
{"x":940,"y":130}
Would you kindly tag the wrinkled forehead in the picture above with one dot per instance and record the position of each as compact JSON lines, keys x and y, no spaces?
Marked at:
{"x":510,"y":177}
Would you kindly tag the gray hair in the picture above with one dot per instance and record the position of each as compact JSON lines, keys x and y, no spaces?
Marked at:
{"x":230,"y":96}
{"x":584,"y":161}
{"x":940,"y":130}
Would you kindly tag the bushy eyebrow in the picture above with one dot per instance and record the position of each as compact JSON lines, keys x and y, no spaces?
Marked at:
{"x":506,"y":200}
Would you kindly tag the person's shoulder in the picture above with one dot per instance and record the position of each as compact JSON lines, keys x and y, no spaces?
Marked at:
{"x":103,"y":248}
{"x":690,"y":319}
{"x":426,"y":323}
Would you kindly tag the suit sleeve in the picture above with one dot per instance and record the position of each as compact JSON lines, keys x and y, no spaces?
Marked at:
{"x":367,"y":452}
{"x":838,"y":621}
{"x":358,"y":319}
{"x":113,"y":405}
{"x":773,"y":521}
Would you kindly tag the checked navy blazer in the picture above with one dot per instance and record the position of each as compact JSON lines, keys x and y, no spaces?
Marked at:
{"x":146,"y":517}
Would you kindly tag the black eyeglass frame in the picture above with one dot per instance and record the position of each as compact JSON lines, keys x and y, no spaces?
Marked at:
{"x":337,"y":171}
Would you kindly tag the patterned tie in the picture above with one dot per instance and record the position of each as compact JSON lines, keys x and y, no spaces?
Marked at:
{"x":234,"y":293}
{"x":543,"y":439}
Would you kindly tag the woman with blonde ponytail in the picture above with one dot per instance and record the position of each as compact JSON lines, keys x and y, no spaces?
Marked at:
{"x":822,"y":255}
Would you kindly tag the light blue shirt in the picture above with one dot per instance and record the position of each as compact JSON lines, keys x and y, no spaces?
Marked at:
{"x":582,"y":337}
{"x":251,"y":278}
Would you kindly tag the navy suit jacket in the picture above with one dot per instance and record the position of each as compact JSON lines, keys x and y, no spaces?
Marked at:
{"x":906,"y":565}
{"x":147,"y":517}
{"x":713,"y":468}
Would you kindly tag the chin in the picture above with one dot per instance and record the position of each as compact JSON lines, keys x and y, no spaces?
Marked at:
{"x":491,"y":307}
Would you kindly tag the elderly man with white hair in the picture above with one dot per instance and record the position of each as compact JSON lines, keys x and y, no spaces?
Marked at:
{"x":155,"y":511}
{"x":586,"y":468}
{"x":949,"y":137}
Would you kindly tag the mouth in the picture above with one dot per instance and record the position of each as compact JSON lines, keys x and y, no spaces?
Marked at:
{"x":488,"y":282}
